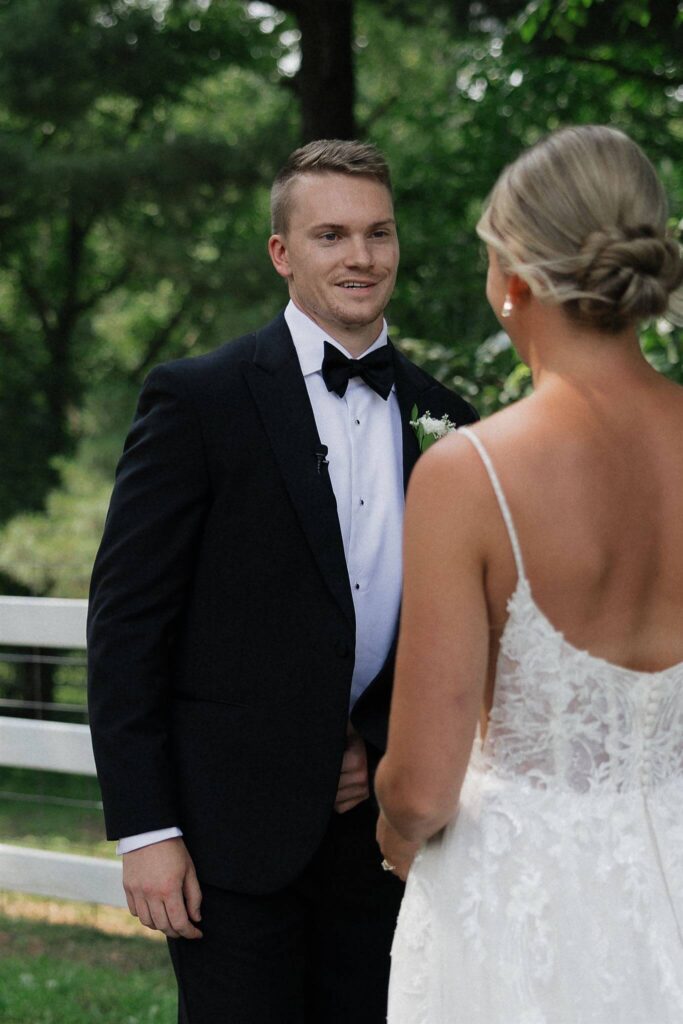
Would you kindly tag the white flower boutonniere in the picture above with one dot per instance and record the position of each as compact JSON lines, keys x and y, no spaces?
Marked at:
{"x":428,"y":429}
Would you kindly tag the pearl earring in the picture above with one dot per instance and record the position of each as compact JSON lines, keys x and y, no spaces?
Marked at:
{"x":507,"y":307}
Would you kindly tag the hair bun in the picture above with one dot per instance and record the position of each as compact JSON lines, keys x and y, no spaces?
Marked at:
{"x":627,"y":274}
{"x":542,"y":216}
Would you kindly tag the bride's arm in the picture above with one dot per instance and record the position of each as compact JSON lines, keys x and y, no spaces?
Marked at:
{"x":443,"y":647}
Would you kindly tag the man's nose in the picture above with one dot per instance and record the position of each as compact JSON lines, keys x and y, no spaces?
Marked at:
{"x":359,"y":253}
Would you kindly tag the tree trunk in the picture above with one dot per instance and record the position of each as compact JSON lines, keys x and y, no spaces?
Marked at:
{"x":325,"y":81}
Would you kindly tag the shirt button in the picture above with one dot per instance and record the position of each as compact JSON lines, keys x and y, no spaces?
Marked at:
{"x":356,"y":586}
{"x":362,"y":501}
{"x":357,"y":423}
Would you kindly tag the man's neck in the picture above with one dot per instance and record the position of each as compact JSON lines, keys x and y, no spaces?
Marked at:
{"x":354,"y":340}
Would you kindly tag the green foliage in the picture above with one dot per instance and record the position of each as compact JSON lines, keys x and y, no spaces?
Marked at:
{"x":481,"y":99}
{"x":61,"y":974}
{"x":52,"y":811}
{"x":51,"y":553}
{"x":138,"y":139}
{"x":484,"y":97}
{"x":593,"y":21}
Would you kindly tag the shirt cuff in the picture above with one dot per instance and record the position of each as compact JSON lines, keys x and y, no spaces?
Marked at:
{"x":129,"y":843}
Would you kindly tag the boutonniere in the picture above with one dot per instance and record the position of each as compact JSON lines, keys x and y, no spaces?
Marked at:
{"x":428,"y":429}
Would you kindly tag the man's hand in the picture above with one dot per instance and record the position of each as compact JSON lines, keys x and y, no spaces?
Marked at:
{"x":162,"y":888}
{"x":353,"y":782}
{"x":396,"y":850}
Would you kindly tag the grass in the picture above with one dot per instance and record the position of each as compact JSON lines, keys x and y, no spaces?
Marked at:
{"x":74,"y":973}
{"x":72,"y":963}
{"x":67,"y":829}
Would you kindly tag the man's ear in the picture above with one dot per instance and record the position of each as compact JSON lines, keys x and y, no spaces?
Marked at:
{"x":277,"y":250}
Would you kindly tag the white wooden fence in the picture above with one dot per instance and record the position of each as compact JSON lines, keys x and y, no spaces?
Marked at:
{"x":50,"y":746}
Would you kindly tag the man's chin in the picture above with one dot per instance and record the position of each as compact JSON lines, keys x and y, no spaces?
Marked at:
{"x":359,"y":318}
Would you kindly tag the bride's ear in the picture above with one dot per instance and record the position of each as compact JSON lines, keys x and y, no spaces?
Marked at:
{"x":518,"y":290}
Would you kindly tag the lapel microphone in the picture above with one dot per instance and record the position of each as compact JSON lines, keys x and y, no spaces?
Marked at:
{"x":321,"y":458}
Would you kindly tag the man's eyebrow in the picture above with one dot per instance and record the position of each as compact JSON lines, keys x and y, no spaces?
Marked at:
{"x":344,"y":227}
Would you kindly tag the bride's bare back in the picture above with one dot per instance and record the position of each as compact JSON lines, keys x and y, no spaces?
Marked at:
{"x":594,"y":478}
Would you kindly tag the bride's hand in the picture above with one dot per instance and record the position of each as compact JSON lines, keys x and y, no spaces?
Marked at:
{"x":396,"y":850}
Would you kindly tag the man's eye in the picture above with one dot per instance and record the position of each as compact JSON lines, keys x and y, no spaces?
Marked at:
{"x":381,"y":233}
{"x":329,"y":236}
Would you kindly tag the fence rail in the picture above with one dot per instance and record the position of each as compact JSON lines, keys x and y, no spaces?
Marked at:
{"x":51,"y":746}
{"x":42,"y":622}
{"x":61,"y":875}
{"x":46,"y":746}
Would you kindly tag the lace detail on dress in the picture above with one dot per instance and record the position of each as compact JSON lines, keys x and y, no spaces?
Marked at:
{"x":556,"y":896}
{"x":562,"y":717}
{"x":413,"y":942}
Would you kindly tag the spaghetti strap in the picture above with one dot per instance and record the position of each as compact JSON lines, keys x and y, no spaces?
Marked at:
{"x":498,"y":490}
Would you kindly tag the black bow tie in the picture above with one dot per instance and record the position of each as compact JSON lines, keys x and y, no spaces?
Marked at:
{"x":376,"y":369}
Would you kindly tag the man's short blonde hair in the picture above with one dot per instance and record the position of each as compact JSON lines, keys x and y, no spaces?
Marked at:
{"x":324,"y":156}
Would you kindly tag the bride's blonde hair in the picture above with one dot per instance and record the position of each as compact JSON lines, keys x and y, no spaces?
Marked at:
{"x":581,"y":217}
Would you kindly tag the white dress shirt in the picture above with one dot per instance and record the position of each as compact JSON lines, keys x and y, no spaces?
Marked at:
{"x":363,"y":436}
{"x":365,"y":451}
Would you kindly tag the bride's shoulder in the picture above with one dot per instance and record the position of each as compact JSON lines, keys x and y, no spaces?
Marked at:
{"x":515,"y":440}
{"x":453,"y":464}
{"x":503,"y":433}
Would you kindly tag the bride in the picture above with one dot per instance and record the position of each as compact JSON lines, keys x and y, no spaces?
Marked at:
{"x":535,"y":757}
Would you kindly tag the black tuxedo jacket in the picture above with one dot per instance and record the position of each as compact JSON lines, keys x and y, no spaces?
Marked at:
{"x":221,"y":628}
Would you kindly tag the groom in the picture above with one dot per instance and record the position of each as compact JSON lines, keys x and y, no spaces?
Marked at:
{"x":243,"y":618}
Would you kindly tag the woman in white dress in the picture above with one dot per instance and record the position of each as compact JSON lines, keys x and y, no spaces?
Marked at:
{"x":535,"y":755}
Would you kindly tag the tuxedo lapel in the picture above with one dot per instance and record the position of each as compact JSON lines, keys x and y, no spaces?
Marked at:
{"x":278,"y":388}
{"x":410,"y":385}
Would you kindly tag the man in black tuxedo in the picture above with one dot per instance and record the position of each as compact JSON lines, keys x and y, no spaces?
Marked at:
{"x":243,"y":618}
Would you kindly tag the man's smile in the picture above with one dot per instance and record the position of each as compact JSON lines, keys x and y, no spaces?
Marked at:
{"x":358,"y":285}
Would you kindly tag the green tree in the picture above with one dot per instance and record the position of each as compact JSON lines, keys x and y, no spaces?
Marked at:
{"x":139,"y":137}
{"x":135,"y":139}
{"x":452,"y":101}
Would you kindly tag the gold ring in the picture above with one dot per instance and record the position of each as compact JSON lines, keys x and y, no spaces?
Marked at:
{"x":386,"y":866}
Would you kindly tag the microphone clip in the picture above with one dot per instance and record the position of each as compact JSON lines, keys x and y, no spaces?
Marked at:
{"x":321,"y":458}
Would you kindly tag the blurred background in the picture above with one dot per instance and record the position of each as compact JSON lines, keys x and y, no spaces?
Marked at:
{"x":138,"y":141}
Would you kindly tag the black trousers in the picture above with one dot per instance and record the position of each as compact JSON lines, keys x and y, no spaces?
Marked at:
{"x":316,"y":952}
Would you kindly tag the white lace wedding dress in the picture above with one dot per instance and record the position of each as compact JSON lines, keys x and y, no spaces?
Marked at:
{"x":556,"y":896}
